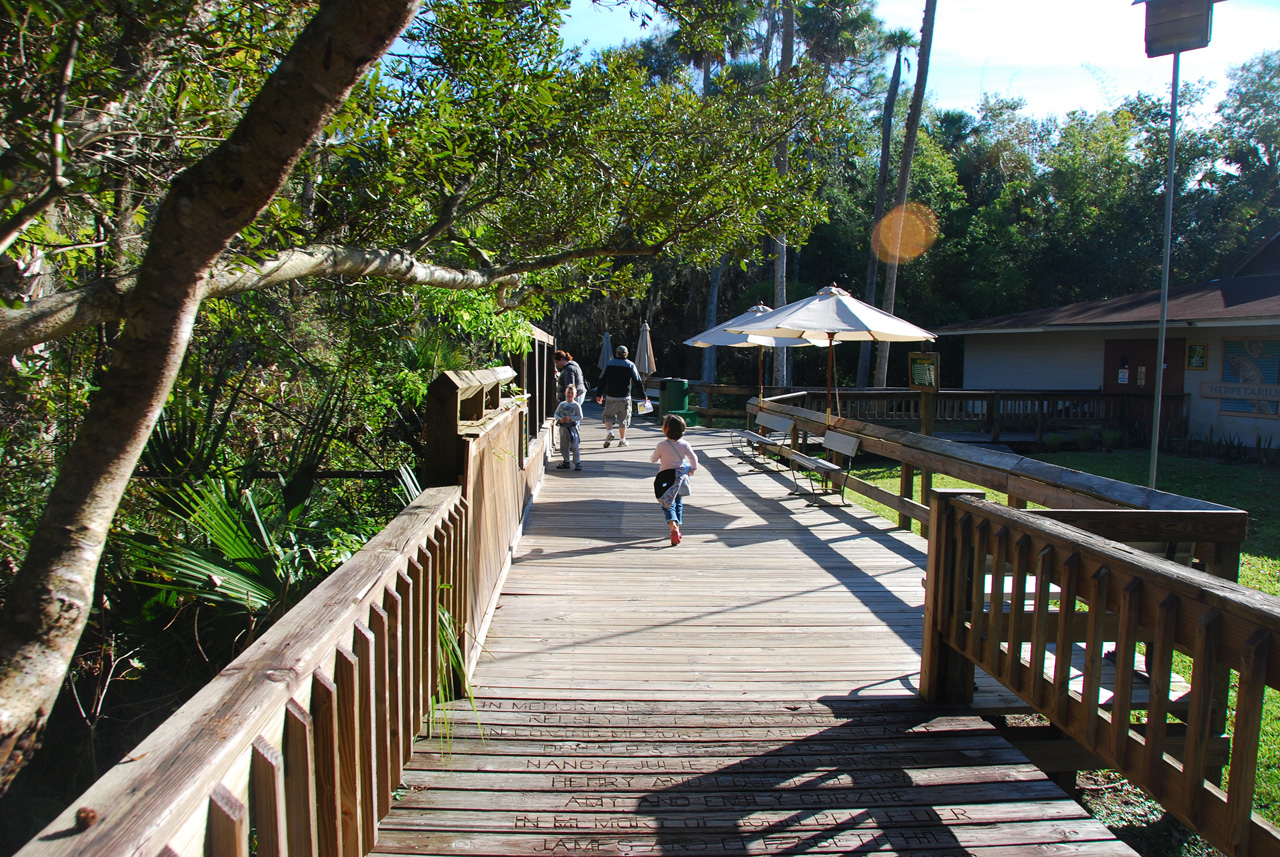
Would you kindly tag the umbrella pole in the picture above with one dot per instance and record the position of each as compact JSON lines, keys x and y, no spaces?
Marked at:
{"x":761,"y":373}
{"x":831,"y":356}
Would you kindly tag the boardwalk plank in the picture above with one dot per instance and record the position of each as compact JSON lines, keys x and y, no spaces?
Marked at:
{"x":750,"y":691}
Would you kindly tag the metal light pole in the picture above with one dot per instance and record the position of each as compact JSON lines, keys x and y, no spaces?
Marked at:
{"x":1173,"y":26}
{"x":1164,"y":276}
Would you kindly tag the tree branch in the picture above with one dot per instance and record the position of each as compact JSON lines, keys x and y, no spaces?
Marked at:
{"x":103,"y":301}
{"x":448,"y":215}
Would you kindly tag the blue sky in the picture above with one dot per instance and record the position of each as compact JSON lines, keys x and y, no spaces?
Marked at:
{"x":1058,"y":55}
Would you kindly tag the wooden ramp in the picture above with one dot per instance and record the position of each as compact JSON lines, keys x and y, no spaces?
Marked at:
{"x":751,"y":691}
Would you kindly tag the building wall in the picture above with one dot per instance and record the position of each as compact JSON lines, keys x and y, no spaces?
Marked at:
{"x":1033,"y":361}
{"x":1207,"y":412}
{"x":1073,"y":360}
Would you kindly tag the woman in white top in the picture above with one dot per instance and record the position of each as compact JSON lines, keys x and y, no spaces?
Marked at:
{"x":671,"y":454}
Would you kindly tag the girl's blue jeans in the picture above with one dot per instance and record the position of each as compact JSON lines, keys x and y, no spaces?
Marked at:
{"x":676,"y":512}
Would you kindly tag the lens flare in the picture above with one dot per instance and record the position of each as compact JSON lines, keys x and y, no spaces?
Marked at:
{"x":911,"y":228}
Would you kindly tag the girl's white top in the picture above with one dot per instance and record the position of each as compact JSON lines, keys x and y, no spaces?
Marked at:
{"x":669,"y":454}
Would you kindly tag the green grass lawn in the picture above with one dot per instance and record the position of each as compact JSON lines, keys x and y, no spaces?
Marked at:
{"x":1244,"y":486}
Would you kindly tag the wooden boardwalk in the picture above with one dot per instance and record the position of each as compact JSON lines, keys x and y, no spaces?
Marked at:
{"x":751,"y":691}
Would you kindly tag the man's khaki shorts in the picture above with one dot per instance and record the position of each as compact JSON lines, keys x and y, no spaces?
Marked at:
{"x":618,"y":411}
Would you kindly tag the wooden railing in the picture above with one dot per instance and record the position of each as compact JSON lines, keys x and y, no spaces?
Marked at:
{"x":1023,"y":595}
{"x":1022,"y":479}
{"x":300,"y":741}
{"x":1035,"y":598}
{"x":989,"y":413}
{"x":993,"y":412}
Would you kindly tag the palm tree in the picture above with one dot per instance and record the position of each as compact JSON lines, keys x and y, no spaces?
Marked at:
{"x":897,"y":41}
{"x":952,"y":129}
{"x":904,"y":170}
{"x":834,"y":31}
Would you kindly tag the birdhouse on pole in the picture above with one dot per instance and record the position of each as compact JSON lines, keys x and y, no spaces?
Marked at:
{"x":1174,"y":26}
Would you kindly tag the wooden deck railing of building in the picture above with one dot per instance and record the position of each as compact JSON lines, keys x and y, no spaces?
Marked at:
{"x":300,"y":741}
{"x":1023,"y":595}
{"x":989,"y":413}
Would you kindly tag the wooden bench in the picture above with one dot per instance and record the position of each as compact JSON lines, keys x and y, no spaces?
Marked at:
{"x":779,"y":429}
{"x":832,"y":441}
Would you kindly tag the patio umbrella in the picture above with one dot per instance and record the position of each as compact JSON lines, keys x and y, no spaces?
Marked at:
{"x":835,"y":316}
{"x":644,"y":353}
{"x":720,"y":335}
{"x":606,"y":352}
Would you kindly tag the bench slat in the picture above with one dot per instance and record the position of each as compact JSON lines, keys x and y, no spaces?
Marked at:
{"x":846,"y":444}
{"x":774,"y":422}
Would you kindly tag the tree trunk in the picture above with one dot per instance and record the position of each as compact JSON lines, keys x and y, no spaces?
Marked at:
{"x":207,"y":205}
{"x":780,"y":367}
{"x":709,"y":354}
{"x":882,"y":184}
{"x":713,"y":287}
{"x":904,"y":174}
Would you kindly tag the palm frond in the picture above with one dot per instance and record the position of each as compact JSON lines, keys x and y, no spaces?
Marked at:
{"x":224,"y":521}
{"x":311,"y":447}
{"x":186,"y":443}
{"x":203,"y":575}
{"x":409,"y":487}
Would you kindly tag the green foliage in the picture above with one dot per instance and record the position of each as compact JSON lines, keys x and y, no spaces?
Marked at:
{"x":245,"y":567}
{"x":1083,"y":438}
{"x":1053,"y":442}
{"x":451,"y":668}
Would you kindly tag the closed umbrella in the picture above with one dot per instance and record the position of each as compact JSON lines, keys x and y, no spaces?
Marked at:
{"x":833,"y":315}
{"x":606,"y":352}
{"x":644,"y":353}
{"x":720,"y":335}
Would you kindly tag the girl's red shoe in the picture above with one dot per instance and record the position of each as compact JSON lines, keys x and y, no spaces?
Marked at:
{"x":675,"y":537}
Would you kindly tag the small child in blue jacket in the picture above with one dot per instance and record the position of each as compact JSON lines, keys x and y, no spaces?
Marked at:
{"x":568,"y":415}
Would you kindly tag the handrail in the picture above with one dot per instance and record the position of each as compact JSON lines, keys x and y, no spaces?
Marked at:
{"x":993,"y":577}
{"x":994,"y":411}
{"x":986,"y":412}
{"x":1022,"y":479}
{"x":303,"y":737}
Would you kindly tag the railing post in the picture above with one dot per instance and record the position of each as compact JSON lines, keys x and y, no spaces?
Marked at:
{"x":928,"y":412}
{"x":946,"y":675}
{"x":906,"y":490}
{"x":1224,"y":565}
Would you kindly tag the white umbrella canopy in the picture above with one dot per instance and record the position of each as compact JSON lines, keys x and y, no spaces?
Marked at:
{"x":606,"y":352}
{"x":644,"y":353}
{"x":720,"y":335}
{"x":833,"y":315}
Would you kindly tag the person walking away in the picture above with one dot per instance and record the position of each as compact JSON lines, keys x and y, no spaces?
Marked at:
{"x":569,"y":373}
{"x":568,"y":415}
{"x":676,"y":459}
{"x":614,"y":391}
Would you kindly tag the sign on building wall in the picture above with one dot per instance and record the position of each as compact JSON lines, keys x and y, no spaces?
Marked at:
{"x":1197,"y":355}
{"x":1250,"y":384}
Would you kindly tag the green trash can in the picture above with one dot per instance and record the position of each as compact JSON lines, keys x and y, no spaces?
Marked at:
{"x":673,"y":395}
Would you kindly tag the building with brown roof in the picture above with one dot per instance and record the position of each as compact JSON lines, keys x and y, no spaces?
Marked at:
{"x":1222,"y":348}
